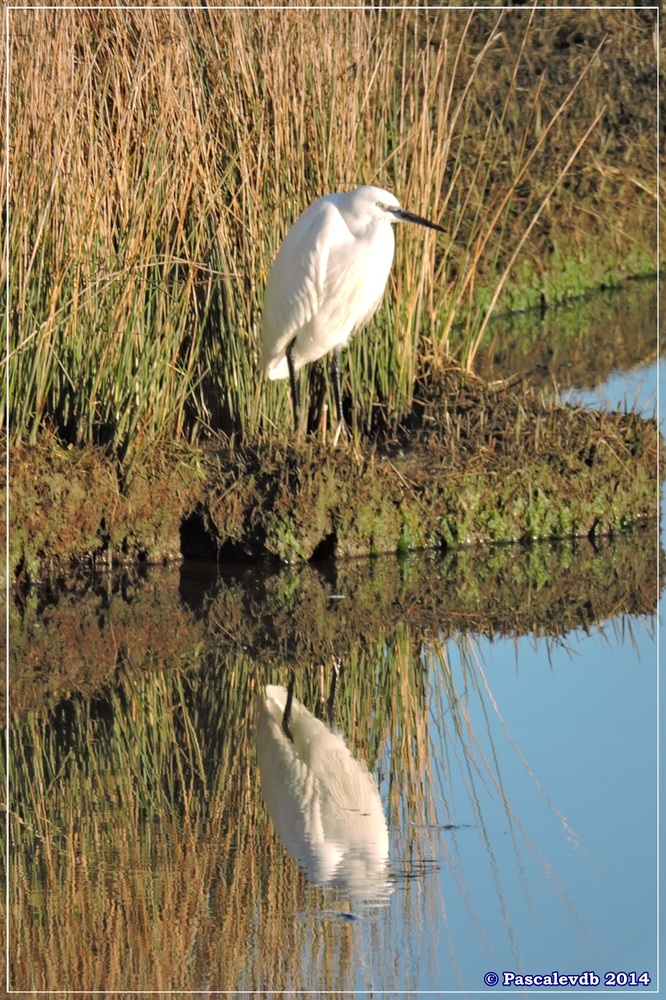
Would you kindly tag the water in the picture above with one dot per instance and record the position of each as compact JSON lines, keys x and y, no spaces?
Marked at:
{"x":517,"y":770}
{"x":636,"y":389}
{"x":558,"y":866}
{"x":563,"y":873}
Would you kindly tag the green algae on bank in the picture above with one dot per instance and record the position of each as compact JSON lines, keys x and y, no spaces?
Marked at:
{"x":477,"y":463}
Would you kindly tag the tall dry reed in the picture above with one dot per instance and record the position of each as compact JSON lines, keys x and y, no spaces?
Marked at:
{"x":157,"y":158}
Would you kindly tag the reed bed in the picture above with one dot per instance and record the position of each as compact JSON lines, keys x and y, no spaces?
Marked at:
{"x":158,"y":157}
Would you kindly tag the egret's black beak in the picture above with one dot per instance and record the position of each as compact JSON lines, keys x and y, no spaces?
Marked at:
{"x":405,"y":216}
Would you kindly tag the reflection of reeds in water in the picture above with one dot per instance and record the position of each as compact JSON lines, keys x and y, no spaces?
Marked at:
{"x":139,"y":855}
{"x":477,"y":756}
{"x":142,"y":856}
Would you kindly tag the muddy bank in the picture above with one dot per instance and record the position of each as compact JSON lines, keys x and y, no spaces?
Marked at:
{"x":477,"y":462}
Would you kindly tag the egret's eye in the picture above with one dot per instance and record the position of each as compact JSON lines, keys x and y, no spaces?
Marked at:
{"x":380,"y":204}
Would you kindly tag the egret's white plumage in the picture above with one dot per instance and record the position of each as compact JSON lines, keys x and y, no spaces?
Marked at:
{"x":323,"y":801}
{"x":328,"y":279}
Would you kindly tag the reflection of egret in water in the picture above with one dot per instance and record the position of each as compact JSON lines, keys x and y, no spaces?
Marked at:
{"x":323,"y":801}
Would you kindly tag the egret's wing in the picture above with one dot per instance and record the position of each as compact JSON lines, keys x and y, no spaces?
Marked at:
{"x":352,"y":285}
{"x":297,"y":280}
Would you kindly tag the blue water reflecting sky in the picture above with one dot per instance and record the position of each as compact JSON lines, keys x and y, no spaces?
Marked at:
{"x":557,"y":867}
{"x":570,"y":884}
{"x":638,"y":389}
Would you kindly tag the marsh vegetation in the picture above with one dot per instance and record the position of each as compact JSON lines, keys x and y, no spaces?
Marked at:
{"x":157,"y":159}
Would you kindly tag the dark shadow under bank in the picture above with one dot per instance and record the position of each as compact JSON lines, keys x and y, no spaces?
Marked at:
{"x":478,"y":462}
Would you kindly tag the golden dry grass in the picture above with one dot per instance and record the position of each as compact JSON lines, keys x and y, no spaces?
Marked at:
{"x":158,"y":157}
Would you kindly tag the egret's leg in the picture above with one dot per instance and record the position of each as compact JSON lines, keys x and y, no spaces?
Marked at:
{"x":286,"y":715}
{"x":293,"y":381}
{"x":337,"y":392}
{"x":330,"y":704}
{"x":337,"y":381}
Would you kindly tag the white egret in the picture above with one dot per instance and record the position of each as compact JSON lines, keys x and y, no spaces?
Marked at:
{"x":327,"y":281}
{"x":323,"y":801}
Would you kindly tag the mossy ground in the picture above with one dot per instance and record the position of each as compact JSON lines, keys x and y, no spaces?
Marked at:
{"x":477,"y":462}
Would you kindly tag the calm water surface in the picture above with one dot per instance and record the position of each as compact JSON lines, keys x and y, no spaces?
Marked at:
{"x":522,"y":825}
{"x":557,"y":869}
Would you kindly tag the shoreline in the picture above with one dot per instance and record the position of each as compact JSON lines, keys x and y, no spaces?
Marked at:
{"x":478,"y":462}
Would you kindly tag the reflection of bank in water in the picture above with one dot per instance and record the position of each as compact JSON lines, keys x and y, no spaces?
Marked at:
{"x":323,"y":801}
{"x":578,"y":344}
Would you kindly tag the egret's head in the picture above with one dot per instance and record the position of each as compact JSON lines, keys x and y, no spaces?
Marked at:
{"x":370,"y":204}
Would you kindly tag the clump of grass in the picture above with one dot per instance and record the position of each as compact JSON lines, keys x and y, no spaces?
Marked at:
{"x":158,"y":157}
